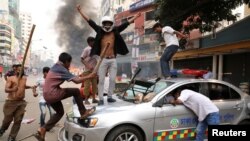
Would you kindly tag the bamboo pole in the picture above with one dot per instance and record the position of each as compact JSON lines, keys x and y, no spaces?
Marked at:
{"x":26,"y":52}
{"x":101,"y":58}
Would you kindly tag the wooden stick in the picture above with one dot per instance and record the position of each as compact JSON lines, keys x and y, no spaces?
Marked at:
{"x":101,"y":58}
{"x":26,"y":52}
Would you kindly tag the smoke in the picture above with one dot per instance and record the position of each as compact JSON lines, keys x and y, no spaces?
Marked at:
{"x":72,"y":29}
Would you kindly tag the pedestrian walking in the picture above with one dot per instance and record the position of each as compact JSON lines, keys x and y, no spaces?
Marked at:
{"x":42,"y":103}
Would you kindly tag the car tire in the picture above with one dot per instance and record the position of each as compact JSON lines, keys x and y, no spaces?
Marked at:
{"x":122,"y":132}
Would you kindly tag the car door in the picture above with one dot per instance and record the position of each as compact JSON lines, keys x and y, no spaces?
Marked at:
{"x":227,"y":100}
{"x":174,"y":122}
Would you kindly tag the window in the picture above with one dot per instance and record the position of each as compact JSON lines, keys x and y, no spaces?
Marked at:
{"x":233,"y":94}
{"x":4,"y":41}
{"x":149,"y":16}
{"x":191,"y":86}
{"x":217,"y":91}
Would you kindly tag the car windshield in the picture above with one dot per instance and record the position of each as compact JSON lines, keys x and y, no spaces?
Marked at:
{"x":139,"y":94}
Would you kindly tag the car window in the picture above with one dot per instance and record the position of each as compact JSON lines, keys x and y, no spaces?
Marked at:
{"x":191,"y":86}
{"x":160,"y":86}
{"x":137,"y":89}
{"x":216,"y":91}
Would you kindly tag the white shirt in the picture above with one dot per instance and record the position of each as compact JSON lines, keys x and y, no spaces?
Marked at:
{"x":198,"y":103}
{"x":40,"y":83}
{"x":169,"y":37}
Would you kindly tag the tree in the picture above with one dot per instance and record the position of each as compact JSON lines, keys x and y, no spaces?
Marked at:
{"x":187,"y":15}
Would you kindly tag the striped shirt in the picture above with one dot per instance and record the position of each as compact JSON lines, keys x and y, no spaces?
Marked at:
{"x":52,"y":91}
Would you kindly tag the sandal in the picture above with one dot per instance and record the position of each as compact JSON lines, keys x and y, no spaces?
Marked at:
{"x":39,"y":137}
{"x":88,"y":113}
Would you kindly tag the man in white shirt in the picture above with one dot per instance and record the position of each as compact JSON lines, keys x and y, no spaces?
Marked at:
{"x":172,"y":45}
{"x":203,"y":107}
{"x":89,"y":65}
{"x":42,"y":102}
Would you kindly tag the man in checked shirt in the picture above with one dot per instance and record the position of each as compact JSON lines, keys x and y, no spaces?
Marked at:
{"x":89,"y":65}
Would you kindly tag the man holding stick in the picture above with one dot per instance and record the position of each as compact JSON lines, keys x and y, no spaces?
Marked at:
{"x":15,"y":104}
{"x":53,"y":93}
{"x":89,"y":64}
{"x":108,"y":34}
{"x":10,"y":72}
{"x":14,"y":107}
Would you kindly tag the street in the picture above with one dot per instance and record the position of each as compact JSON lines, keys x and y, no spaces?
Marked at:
{"x":33,"y":111}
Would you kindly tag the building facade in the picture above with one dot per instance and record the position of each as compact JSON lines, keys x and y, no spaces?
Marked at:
{"x":141,"y":40}
{"x":26,"y":26}
{"x":14,"y":17}
{"x":215,"y":51}
{"x":6,"y":40}
{"x":10,"y":31}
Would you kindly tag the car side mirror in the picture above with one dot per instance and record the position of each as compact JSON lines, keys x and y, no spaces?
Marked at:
{"x":159,"y":103}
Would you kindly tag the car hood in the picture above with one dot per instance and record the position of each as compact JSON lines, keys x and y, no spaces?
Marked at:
{"x":107,"y":108}
{"x":115,"y":107}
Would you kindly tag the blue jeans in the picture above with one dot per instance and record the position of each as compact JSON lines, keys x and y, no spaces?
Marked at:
{"x":42,"y":106}
{"x":165,"y":58}
{"x":211,"y":119}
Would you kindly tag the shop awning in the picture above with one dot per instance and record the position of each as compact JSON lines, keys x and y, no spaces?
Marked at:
{"x":243,"y":46}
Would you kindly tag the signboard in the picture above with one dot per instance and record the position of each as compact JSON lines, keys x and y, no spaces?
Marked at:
{"x":146,"y":57}
{"x":140,"y":4}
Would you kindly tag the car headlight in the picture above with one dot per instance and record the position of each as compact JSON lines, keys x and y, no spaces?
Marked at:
{"x":88,"y":122}
{"x":93,"y":122}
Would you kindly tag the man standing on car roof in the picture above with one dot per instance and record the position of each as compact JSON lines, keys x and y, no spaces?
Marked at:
{"x":107,"y":33}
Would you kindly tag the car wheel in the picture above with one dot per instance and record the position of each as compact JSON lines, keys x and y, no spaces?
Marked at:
{"x":125,"y":133}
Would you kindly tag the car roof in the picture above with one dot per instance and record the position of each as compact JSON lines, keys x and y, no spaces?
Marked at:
{"x":188,"y":80}
{"x":176,"y":80}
